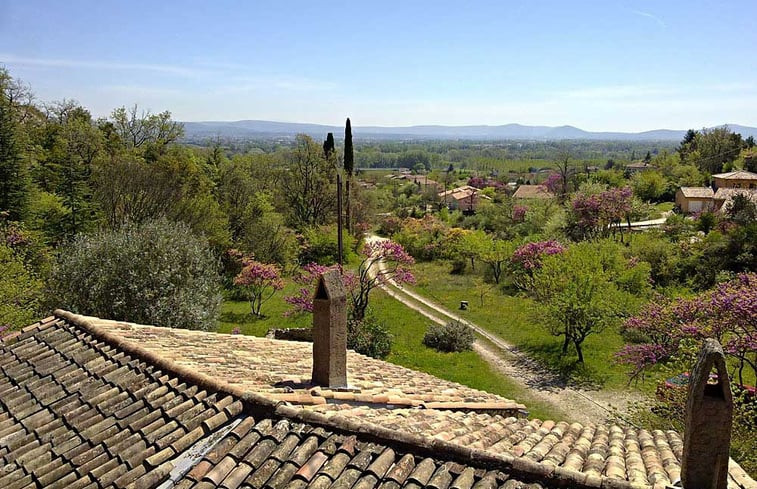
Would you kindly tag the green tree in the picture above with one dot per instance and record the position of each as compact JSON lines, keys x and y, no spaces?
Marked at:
{"x":14,"y":180}
{"x":308,"y":188}
{"x":578,"y":297}
{"x":158,"y":272}
{"x":149,"y":134}
{"x":711,"y":149}
{"x":649,"y":185}
{"x":349,"y":169}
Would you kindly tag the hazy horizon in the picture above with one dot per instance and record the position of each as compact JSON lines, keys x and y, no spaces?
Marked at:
{"x":611,"y":67}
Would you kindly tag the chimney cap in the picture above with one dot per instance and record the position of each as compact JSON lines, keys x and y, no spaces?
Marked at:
{"x":330,"y":286}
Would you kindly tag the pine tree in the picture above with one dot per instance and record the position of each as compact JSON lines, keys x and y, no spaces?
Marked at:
{"x":14,"y":184}
{"x":349,"y":167}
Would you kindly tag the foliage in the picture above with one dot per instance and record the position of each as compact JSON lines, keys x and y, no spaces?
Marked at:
{"x":527,"y":259}
{"x":711,"y":149}
{"x":454,"y":336}
{"x":369,"y":336}
{"x":20,"y":290}
{"x":579,"y":295}
{"x":320,"y":246}
{"x":308,"y":187}
{"x":154,"y":273}
{"x":649,"y":185}
{"x":14,"y":181}
{"x":148,"y":133}
{"x":727,"y":313}
{"x":599,"y":214}
{"x":259,"y":280}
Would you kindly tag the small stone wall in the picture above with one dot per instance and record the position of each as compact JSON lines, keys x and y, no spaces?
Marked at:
{"x":291,"y":334}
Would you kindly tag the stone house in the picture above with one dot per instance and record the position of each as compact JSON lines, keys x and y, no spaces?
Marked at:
{"x":465,"y":198}
{"x":735,"y":179}
{"x":533,"y":192}
{"x":695,"y":199}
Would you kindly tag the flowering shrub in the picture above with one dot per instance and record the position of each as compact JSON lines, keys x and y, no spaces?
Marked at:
{"x":727,"y":313}
{"x":519,"y":212}
{"x":480,"y":182}
{"x":260,"y":281}
{"x":553,"y":183}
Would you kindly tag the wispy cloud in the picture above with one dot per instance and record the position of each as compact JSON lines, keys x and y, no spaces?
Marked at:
{"x":234,"y":78}
{"x":650,"y":16}
{"x":100,"y":65}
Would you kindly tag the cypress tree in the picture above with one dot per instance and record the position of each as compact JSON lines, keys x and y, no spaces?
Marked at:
{"x":328,"y":145}
{"x":14,"y":185}
{"x":349,"y":167}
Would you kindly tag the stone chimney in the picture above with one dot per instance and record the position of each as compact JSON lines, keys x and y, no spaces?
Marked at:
{"x":709,"y":413}
{"x":330,"y":331}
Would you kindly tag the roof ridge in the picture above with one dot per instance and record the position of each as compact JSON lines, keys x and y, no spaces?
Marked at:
{"x":259,"y":405}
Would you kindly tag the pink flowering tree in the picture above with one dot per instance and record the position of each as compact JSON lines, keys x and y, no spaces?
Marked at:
{"x":527,"y":259}
{"x":727,"y":313}
{"x":260,"y":281}
{"x":383,"y":261}
{"x":599,"y":215}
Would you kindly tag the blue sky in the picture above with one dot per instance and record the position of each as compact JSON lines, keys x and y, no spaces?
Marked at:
{"x":599,"y":65}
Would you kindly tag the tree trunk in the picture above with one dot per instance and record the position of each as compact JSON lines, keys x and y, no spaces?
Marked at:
{"x":565,"y":345}
{"x":579,"y":351}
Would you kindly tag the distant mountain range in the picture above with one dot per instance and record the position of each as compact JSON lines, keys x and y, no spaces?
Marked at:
{"x":267,"y":129}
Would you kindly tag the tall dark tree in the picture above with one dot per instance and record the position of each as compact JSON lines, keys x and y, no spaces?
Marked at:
{"x":14,"y":185}
{"x":349,"y":168}
{"x":328,"y":145}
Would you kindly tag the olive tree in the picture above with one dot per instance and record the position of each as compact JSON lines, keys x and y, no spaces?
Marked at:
{"x":157,"y":272}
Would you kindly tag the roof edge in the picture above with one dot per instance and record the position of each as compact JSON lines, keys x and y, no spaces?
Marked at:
{"x":259,"y":405}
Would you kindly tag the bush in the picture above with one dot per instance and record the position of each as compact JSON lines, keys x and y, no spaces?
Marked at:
{"x":321,"y":246}
{"x":452,"y":337}
{"x":369,"y":336}
{"x":155,"y":273}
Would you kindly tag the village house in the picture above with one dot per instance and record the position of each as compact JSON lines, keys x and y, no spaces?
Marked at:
{"x":735,"y":179}
{"x":718,"y":198}
{"x":639,"y":166}
{"x":465,"y":198}
{"x":422,"y":181}
{"x":532,"y":192}
{"x":695,"y":199}
{"x":92,"y":403}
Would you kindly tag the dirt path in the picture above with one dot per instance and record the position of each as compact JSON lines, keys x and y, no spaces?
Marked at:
{"x":582,"y":405}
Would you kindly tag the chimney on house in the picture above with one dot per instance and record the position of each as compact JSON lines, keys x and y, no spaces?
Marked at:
{"x":330,"y":331}
{"x":709,"y":414}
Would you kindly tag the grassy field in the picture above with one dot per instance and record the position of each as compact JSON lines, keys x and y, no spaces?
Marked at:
{"x":408,"y":328}
{"x":515,"y":319}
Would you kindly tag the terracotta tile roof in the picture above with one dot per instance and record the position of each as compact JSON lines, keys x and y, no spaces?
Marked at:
{"x":532,"y":192}
{"x":282,"y":370}
{"x":697,"y":192}
{"x":81,"y":407}
{"x":737,"y":175}
{"x":614,"y":451}
{"x":78,"y":412}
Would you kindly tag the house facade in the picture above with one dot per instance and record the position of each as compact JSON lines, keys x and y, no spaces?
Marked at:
{"x":695,"y":199}
{"x":735,"y":179}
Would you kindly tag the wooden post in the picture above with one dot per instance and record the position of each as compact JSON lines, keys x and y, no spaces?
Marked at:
{"x":330,"y":331}
{"x":709,"y":415}
{"x":339,"y":221}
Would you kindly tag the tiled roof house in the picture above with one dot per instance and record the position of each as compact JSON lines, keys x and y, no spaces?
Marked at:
{"x":88,"y":403}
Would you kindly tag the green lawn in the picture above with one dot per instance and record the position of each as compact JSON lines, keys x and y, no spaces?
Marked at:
{"x":408,"y":328}
{"x":514,"y":319}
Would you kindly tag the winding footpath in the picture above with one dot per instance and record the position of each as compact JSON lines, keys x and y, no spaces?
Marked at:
{"x":579,"y":404}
